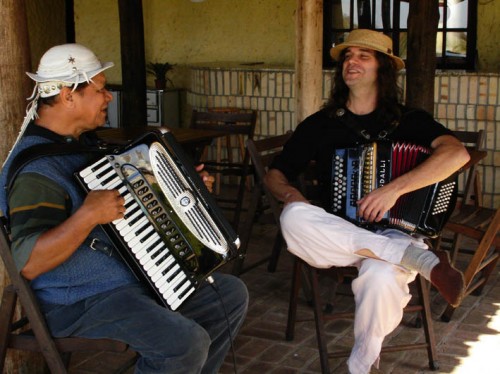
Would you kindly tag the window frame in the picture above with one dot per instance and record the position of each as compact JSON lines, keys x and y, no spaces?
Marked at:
{"x":468,"y":62}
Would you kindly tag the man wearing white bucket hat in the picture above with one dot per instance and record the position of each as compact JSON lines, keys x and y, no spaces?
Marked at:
{"x":365,"y":91}
{"x":83,"y":286}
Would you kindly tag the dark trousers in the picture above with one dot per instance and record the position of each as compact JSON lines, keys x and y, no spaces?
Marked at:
{"x":193,"y":339}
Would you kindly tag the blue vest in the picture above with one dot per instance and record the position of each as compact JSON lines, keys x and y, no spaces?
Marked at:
{"x":86,"y":272}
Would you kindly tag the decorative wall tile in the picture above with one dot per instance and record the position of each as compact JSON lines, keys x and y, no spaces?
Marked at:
{"x":453,"y":91}
{"x":444,"y":89}
{"x":451,"y":111}
{"x":264,"y":84}
{"x":482,"y":90}
{"x":471,"y":112}
{"x":279,"y":84}
{"x":473,"y":90}
{"x":460,"y":111}
{"x":493,"y":87}
{"x":463,"y":90}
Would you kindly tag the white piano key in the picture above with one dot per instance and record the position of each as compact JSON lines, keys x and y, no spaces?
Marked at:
{"x":145,"y":232}
{"x":129,"y":221}
{"x":100,"y":182}
{"x":167,"y":289}
{"x":181,"y":286}
{"x":96,"y":173}
{"x":155,"y":272}
{"x":140,"y":250}
{"x":151,"y":257}
{"x":149,"y":263}
{"x":163,"y":264}
{"x":177,"y":303}
{"x":173,"y":284}
{"x":180,"y":281}
{"x":162,"y":283}
{"x":90,"y":169}
{"x":144,"y":254}
{"x":122,"y":223}
{"x":129,"y":232}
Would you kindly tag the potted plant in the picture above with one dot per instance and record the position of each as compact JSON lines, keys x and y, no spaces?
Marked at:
{"x":160,"y":70}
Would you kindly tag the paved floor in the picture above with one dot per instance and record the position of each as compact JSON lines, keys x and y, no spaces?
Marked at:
{"x":469,"y":343}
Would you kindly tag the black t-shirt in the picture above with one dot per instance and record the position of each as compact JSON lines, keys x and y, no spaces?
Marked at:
{"x":317,"y":137}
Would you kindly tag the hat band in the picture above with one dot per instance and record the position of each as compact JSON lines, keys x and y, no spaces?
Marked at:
{"x":51,"y":88}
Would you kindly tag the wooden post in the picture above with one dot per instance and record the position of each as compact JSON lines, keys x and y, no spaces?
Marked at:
{"x":15,"y":87}
{"x":308,"y":60}
{"x":14,"y":63}
{"x":133,"y":63}
{"x":421,"y":60}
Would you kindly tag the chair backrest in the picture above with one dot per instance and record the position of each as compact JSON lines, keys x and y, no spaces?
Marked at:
{"x":238,"y":123}
{"x":262,"y":152}
{"x":41,"y":339}
{"x":473,"y":141}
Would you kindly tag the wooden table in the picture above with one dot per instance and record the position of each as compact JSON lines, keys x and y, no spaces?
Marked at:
{"x":193,"y":140}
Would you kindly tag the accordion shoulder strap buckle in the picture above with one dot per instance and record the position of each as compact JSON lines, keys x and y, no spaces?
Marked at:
{"x":347,"y":119}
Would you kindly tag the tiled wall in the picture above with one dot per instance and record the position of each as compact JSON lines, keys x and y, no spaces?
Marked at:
{"x":463,"y":101}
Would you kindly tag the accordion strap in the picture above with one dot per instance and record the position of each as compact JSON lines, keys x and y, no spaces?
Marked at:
{"x":37,"y":151}
{"x":347,"y":119}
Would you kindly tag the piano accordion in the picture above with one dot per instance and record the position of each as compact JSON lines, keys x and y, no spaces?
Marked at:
{"x":359,"y":170}
{"x":173,"y":235}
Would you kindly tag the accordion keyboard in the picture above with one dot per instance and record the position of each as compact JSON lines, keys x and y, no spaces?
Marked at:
{"x":141,"y":238}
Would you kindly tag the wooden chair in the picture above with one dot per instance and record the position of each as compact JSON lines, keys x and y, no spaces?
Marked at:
{"x":30,"y":332}
{"x":261,"y":153}
{"x":473,"y":220}
{"x":320,"y":315}
{"x":240,"y":124}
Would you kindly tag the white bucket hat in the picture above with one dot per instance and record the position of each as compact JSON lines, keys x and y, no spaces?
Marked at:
{"x":66,"y":65}
{"x":61,"y":66}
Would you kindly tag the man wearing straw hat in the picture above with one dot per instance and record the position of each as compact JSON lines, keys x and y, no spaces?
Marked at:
{"x":83,"y":286}
{"x":365,"y":91}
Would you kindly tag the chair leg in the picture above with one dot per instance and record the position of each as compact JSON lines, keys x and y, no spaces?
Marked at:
{"x":487,"y":270}
{"x":423,"y":292}
{"x":279,"y":242}
{"x":455,"y":248}
{"x":318,"y":313}
{"x":318,"y":318}
{"x":247,"y":230}
{"x":7,"y":308}
{"x":294,"y":296}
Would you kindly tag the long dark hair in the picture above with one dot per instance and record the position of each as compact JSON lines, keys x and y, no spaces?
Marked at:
{"x":389,"y":96}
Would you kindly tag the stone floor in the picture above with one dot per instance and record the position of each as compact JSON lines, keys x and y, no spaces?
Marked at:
{"x":467,"y":344}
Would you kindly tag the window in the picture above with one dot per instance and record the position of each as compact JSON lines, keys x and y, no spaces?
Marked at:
{"x":456,"y":37}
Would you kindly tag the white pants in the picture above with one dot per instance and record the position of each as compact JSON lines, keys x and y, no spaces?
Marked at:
{"x":381,"y":289}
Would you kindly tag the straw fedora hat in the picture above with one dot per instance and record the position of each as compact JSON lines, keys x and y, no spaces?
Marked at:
{"x":363,"y":38}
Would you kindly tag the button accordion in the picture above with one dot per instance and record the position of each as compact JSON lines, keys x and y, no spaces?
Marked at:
{"x":359,"y":170}
{"x":173,"y":235}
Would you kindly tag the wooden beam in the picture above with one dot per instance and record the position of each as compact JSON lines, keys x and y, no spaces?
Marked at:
{"x":421,"y":58}
{"x":308,"y":60}
{"x":134,"y":112}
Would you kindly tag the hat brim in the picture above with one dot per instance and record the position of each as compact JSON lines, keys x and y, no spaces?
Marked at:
{"x":76,"y":79}
{"x":335,"y":53}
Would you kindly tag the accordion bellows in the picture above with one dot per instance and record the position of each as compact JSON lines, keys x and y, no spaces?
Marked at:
{"x":359,"y":170}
